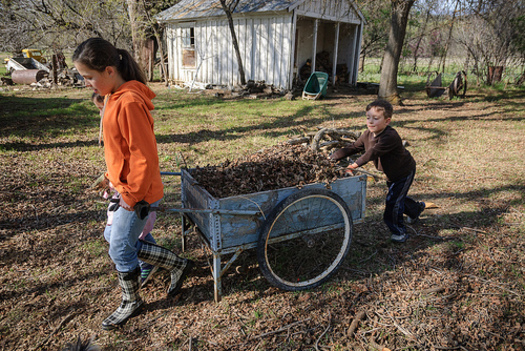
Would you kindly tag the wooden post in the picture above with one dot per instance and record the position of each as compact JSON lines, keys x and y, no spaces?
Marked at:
{"x":293,"y":56}
{"x":54,"y":68}
{"x":316,"y":27}
{"x":336,"y":49}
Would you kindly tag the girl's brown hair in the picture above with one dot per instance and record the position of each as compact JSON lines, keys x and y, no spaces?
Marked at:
{"x":97,"y":54}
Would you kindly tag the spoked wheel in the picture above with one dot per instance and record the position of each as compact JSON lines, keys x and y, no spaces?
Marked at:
{"x":305,"y":239}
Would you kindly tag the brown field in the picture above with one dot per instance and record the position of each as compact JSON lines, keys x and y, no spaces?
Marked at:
{"x":457,"y":284}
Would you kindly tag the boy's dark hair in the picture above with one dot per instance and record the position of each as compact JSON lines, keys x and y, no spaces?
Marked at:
{"x":382,"y":105}
{"x":97,"y":54}
{"x":97,"y":97}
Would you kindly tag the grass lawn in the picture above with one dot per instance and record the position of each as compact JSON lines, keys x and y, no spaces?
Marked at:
{"x":457,"y":283}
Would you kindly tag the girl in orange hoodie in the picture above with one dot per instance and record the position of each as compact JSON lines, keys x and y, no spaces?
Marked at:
{"x":133,"y":169}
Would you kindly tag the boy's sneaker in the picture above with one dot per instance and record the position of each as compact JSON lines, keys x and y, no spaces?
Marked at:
{"x":411,"y":220}
{"x":399,"y":238}
{"x":146,"y":273}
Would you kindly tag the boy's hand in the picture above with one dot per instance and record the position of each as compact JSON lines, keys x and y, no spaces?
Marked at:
{"x":349,"y":171}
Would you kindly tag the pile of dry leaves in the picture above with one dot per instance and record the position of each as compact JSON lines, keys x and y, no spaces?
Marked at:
{"x":281,"y":166}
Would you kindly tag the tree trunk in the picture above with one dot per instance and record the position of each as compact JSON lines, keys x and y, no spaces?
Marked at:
{"x":234,"y":38}
{"x":161,"y":51}
{"x":396,"y":37}
{"x":137,"y":21}
{"x":363,"y":57}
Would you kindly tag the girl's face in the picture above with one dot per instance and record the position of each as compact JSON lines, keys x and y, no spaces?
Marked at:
{"x":103,"y":83}
{"x":376,"y":121}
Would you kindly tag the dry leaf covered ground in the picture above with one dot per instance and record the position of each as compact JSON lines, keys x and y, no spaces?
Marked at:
{"x":457,"y":284}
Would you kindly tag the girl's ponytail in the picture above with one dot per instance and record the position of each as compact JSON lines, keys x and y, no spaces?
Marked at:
{"x":129,"y":68}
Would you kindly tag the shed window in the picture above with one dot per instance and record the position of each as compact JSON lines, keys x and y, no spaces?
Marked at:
{"x":188,"y":37}
{"x":188,"y":47}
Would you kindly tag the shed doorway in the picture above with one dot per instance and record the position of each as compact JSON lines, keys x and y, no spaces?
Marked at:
{"x":325,"y":46}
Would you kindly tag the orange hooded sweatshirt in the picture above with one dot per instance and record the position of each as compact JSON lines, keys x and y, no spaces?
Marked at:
{"x":130,"y":145}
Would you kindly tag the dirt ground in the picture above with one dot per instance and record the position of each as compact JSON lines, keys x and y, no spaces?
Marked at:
{"x":457,"y":283}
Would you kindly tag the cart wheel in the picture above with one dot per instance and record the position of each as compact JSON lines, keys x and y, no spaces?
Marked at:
{"x":305,"y":239}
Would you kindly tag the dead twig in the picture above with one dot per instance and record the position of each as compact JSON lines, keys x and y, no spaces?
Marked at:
{"x":325,"y":331}
{"x":285,"y":328}
{"x":474,"y":230}
{"x":353,"y":326}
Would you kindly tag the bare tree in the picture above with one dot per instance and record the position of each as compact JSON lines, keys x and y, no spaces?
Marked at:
{"x":229,"y":8}
{"x":417,"y":46}
{"x":375,"y":33}
{"x":449,"y":38}
{"x":491,"y":30}
{"x":60,"y":24}
{"x":396,"y":37}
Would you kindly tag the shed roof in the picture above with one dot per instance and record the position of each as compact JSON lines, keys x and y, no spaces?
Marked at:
{"x":193,"y":9}
{"x":187,"y":9}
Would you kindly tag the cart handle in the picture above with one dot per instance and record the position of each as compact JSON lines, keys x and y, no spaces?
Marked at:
{"x":212,"y":211}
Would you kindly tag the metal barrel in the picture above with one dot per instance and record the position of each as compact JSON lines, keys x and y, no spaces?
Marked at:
{"x":28,"y":76}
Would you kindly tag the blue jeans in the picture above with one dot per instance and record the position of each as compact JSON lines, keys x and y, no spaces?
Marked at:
{"x":397,"y":203}
{"x":123,"y":238}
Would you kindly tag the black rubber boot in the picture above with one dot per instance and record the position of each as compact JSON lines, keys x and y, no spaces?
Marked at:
{"x":131,"y":302}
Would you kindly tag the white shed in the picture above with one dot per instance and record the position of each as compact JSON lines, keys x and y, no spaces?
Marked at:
{"x":276,"y":38}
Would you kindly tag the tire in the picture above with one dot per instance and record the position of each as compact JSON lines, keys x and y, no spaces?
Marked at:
{"x":305,"y":239}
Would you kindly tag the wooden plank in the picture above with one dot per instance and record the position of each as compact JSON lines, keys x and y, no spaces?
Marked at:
{"x":248,"y":49}
{"x":263,"y":49}
{"x":225,"y":47}
{"x":288,"y":52}
{"x":170,"y":48}
{"x":215,"y":54}
{"x":207,"y":71}
{"x":177,"y":59}
{"x":270,"y":68}
{"x":336,"y":52}
{"x":314,"y":49}
{"x":280,"y":56}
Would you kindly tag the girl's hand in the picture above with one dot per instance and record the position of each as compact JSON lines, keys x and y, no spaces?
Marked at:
{"x":353,"y":166}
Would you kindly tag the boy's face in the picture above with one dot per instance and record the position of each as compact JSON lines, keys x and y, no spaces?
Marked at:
{"x":376,"y":121}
